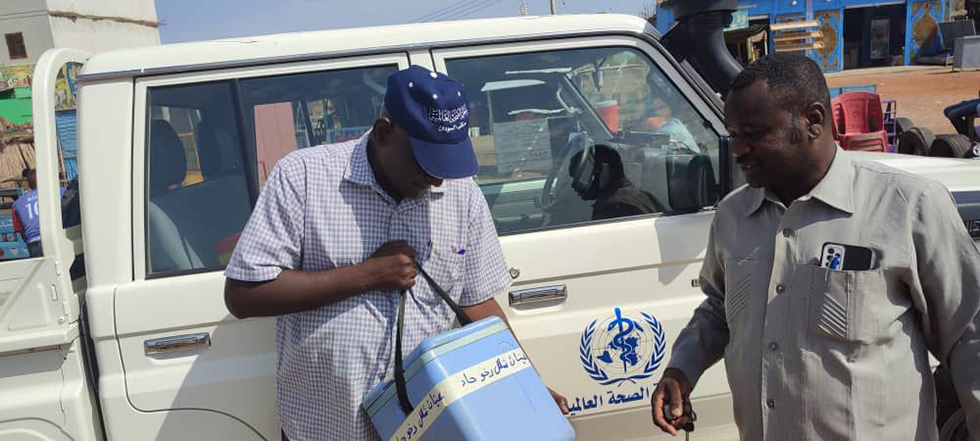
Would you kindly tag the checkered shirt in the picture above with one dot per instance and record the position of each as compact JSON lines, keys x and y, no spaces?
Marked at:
{"x":321,"y":208}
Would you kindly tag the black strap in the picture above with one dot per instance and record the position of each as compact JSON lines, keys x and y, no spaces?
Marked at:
{"x":460,"y":315}
{"x":400,"y":386}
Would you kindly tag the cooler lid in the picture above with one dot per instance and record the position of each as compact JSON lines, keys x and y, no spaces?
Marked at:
{"x":430,"y":348}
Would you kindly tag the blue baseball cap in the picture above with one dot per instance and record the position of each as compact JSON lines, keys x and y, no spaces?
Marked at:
{"x":433,"y":109}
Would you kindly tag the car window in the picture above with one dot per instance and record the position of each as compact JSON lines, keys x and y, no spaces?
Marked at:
{"x":211,"y":145}
{"x":571,"y":136}
{"x":197,"y":191}
{"x":290,"y":112}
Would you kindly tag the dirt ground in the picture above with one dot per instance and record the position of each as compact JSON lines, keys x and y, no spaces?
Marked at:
{"x":921,"y":92}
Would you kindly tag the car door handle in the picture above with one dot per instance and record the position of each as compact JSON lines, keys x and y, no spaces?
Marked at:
{"x":538,"y":295}
{"x":177,"y":343}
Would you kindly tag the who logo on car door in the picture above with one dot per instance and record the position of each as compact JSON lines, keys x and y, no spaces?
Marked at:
{"x":622,"y":348}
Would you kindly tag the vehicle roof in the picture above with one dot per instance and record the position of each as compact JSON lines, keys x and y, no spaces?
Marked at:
{"x":955,"y":174}
{"x":316,"y":44}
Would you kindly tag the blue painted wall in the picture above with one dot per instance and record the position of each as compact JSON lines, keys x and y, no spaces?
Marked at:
{"x":830,"y":13}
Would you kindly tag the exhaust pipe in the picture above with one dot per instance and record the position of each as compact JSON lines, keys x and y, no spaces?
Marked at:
{"x":698,"y":36}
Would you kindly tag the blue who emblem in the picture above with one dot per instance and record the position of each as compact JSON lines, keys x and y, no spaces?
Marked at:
{"x":621,"y":348}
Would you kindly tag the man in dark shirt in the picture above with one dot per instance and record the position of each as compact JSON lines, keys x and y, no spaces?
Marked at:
{"x":614,"y":195}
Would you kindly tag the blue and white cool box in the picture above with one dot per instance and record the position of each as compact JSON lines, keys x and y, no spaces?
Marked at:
{"x":470,"y":383}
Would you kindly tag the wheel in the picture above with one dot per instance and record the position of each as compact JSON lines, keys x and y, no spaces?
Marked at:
{"x":951,"y":146}
{"x":915,"y":141}
{"x":902,"y":125}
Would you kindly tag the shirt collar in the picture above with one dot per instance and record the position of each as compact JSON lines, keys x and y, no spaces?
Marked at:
{"x":359,"y":169}
{"x":758,"y":196}
{"x":834,"y":188}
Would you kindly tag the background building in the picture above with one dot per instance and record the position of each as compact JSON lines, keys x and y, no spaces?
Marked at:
{"x":855,"y":33}
{"x":30,"y":27}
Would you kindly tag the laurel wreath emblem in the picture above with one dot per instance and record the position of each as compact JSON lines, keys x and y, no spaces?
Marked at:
{"x":598,"y":374}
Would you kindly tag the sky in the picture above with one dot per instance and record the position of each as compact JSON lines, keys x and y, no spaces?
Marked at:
{"x":193,"y":20}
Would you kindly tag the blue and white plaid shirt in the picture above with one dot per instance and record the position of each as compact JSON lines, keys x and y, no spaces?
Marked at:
{"x":321,"y":208}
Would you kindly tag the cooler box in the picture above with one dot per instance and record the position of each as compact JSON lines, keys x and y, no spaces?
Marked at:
{"x":470,"y":383}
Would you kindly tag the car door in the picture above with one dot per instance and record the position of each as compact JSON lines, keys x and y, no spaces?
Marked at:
{"x":600,"y":165}
{"x":44,"y":384}
{"x":203,"y":145}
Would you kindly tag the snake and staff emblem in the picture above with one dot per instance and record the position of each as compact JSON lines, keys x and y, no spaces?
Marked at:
{"x":623,"y":347}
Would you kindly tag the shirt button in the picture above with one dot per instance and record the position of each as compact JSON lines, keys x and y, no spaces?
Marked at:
{"x":770,"y":403}
{"x":773,"y":346}
{"x":780,"y":288}
{"x":787,"y":233}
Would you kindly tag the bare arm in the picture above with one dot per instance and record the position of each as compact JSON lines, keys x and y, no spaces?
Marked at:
{"x":389,"y":269}
{"x":294,"y":291}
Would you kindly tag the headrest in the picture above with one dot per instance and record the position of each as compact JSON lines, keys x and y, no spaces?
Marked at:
{"x":209,"y":140}
{"x":691,"y":182}
{"x":168,"y":162}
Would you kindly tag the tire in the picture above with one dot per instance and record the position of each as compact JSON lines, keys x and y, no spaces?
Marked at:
{"x":915,"y":141}
{"x":902,"y":125}
{"x":951,"y":146}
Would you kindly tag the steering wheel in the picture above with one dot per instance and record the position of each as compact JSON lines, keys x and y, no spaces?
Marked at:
{"x":547,"y":200}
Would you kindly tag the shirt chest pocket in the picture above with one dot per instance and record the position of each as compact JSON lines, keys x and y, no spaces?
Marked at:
{"x":445,"y":268}
{"x":841,"y":304}
{"x":738,"y":289}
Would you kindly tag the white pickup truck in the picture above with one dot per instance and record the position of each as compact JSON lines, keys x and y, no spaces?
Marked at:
{"x":175,"y":143}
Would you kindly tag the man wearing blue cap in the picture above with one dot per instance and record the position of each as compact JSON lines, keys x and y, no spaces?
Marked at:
{"x":335,"y":236}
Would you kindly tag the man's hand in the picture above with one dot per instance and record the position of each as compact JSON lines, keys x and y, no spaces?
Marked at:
{"x":391,"y":267}
{"x":674,"y":389}
{"x":559,"y":400}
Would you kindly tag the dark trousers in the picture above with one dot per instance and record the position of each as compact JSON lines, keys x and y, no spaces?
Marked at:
{"x":958,"y":115}
{"x":35,"y":249}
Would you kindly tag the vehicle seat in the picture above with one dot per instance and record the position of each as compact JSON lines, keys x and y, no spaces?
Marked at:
{"x":167,"y":168}
{"x":682,"y":181}
{"x":214,"y":145}
{"x":169,"y":162}
{"x":691,"y":182}
{"x":646,"y":168}
{"x":188,"y":224}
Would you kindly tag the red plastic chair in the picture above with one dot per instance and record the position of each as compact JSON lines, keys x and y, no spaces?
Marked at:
{"x":859,"y":121}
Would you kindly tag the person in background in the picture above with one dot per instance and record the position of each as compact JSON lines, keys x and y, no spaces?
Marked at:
{"x":959,"y":115}
{"x":614,"y":194}
{"x":663,"y":122}
{"x":26,"y":219}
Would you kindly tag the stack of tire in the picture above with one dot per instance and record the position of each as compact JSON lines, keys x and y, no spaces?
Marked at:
{"x":922,"y":142}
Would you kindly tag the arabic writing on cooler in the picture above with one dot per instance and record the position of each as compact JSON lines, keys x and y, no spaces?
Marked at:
{"x":503,"y":362}
{"x":435,"y":401}
{"x":432,"y":401}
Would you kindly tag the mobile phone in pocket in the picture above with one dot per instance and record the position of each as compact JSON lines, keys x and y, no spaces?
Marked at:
{"x":840,"y":257}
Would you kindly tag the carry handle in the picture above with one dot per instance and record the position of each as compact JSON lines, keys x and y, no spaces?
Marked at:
{"x":400,"y":386}
{"x":460,"y":315}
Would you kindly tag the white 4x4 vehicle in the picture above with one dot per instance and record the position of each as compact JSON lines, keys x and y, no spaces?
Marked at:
{"x":175,"y":143}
